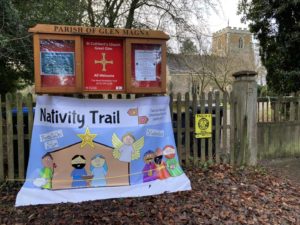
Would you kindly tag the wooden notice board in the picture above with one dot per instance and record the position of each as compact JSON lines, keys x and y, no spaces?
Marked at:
{"x":74,"y":59}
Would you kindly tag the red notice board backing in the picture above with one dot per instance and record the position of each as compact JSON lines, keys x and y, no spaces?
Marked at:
{"x":103,"y":64}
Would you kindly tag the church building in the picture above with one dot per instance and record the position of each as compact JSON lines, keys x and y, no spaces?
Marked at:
{"x":231,"y":51}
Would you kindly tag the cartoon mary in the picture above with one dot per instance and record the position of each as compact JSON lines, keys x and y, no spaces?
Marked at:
{"x":99,"y":169}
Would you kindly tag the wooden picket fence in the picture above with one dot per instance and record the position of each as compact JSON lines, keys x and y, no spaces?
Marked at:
{"x":278,"y":109}
{"x":16,"y":121}
{"x":193,"y":151}
{"x":15,"y":135}
{"x":278,"y":127}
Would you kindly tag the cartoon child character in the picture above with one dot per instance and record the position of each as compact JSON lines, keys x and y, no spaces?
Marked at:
{"x":98,"y":169}
{"x":47,"y":172}
{"x":149,"y":170}
{"x":128,"y":148}
{"x":78,"y":162}
{"x":172,"y":164}
{"x":161,"y":168}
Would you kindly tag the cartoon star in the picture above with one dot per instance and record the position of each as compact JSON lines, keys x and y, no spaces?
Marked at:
{"x":87,"y":138}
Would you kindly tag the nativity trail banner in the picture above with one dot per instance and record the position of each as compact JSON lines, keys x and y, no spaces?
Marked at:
{"x":87,"y":149}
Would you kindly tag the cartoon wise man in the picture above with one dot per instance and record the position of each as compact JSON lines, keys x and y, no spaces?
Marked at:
{"x":161,"y":167}
{"x":149,"y":170}
{"x":173,"y":166}
{"x":128,"y":148}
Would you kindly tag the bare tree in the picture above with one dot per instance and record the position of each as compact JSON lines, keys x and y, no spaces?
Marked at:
{"x":220,"y":70}
{"x":198,"y":72}
{"x":209,"y":69}
{"x":197,"y":62}
{"x":179,"y":18}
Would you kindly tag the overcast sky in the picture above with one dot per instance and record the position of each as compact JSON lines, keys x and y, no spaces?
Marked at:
{"x":217,"y":22}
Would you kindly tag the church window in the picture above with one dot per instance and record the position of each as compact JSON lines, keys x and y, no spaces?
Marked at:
{"x":241,"y":43}
{"x":219,"y":44}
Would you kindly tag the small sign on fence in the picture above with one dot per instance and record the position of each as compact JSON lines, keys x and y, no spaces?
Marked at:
{"x":203,"y":126}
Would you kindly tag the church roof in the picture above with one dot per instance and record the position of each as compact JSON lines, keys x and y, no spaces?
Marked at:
{"x":183,"y":64}
{"x":176,"y":64}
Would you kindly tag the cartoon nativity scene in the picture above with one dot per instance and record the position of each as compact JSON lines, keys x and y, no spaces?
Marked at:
{"x":92,"y":164}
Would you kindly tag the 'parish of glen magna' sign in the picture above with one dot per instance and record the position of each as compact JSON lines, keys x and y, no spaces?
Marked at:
{"x":101,"y":31}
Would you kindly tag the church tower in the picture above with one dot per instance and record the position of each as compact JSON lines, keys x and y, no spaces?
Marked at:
{"x":235,"y":43}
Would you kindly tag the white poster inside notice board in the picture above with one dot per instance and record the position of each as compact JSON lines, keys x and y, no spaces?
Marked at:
{"x":145,"y":64}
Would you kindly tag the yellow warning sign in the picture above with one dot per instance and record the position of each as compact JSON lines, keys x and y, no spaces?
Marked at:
{"x":203,"y":125}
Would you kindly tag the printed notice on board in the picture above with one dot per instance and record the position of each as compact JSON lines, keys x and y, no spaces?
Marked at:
{"x":57,"y":63}
{"x":145,"y":65}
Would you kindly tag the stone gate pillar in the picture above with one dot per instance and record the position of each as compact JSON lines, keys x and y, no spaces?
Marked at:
{"x":244,"y":94}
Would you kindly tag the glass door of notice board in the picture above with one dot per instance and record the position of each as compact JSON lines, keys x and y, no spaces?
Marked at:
{"x":103,"y":64}
{"x":146,"y":68}
{"x":58,"y":69}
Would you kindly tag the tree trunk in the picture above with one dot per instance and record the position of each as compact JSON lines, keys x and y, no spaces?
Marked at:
{"x":90,"y":11}
{"x":130,"y":18}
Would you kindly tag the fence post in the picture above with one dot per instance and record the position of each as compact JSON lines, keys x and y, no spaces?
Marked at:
{"x":1,"y":144}
{"x":9,"y":136}
{"x":179,"y":127}
{"x":20,"y":135}
{"x":187,"y":129}
{"x":245,"y":94}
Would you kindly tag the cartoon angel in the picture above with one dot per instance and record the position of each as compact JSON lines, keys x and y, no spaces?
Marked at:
{"x":128,"y":148}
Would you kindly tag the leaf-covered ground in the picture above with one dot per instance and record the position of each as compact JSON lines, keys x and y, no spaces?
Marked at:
{"x":220,"y":195}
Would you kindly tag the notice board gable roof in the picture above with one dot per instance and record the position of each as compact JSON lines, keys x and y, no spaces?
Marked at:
{"x":98,"y":31}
